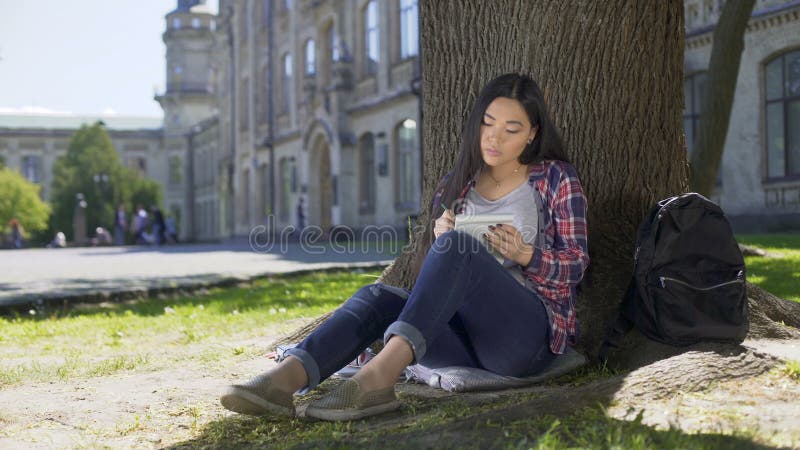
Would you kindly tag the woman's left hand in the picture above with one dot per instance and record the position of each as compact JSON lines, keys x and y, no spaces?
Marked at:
{"x":508,"y":241}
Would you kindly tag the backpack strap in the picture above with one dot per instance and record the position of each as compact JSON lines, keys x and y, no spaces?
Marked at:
{"x":622,"y":324}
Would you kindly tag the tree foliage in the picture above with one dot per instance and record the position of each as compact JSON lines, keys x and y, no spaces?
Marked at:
{"x":20,"y":200}
{"x":92,"y":167}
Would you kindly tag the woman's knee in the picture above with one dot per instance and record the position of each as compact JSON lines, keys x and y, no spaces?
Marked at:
{"x":379,"y":298}
{"x":455,"y":243}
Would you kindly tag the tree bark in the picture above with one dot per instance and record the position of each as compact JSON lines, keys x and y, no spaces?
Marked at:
{"x":723,"y":71}
{"x":612,"y":76}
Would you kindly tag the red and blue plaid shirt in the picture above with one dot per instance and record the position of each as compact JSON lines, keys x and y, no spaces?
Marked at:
{"x":558,"y":264}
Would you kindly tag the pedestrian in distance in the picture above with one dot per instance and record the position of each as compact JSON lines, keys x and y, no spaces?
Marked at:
{"x":139,"y":225}
{"x":120,"y":225}
{"x":17,"y":234}
{"x":159,"y":227}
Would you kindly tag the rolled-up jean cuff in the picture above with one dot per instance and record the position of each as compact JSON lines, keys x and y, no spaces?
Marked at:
{"x":411,"y":334}
{"x":312,"y":369}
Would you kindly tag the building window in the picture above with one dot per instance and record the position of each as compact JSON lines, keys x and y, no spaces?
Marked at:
{"x":782,"y":79}
{"x":694,"y":87}
{"x":287,"y":5}
{"x":311,"y":58}
{"x":287,"y":82}
{"x":138,"y":164}
{"x":32,"y":168}
{"x":371,"y":39}
{"x":409,"y":43}
{"x":195,"y":22}
{"x":366,"y":174}
{"x":333,"y":41}
{"x":175,"y":170}
{"x":405,"y":168}
{"x":176,"y":23}
{"x":285,"y":174}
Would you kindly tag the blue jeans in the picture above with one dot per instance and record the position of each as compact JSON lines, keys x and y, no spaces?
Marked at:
{"x":465,"y":310}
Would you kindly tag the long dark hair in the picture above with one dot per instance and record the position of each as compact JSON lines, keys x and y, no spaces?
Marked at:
{"x":546,"y":145}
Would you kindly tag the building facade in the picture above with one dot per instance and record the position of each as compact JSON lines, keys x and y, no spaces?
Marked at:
{"x":321,"y":109}
{"x":759,"y":180}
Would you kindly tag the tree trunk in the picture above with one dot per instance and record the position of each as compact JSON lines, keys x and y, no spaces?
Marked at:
{"x":723,"y":70}
{"x":612,"y":76}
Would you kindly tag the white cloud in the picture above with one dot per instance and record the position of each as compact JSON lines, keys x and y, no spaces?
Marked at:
{"x":109,"y":111}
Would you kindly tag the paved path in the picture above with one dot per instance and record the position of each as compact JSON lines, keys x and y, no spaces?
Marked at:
{"x":48,"y":275}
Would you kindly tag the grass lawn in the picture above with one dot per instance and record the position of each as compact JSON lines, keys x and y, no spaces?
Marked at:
{"x":158,"y":333}
{"x":779,"y":273}
{"x":100,"y":340}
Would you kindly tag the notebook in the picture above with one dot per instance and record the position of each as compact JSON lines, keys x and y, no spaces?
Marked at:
{"x":478,"y":224}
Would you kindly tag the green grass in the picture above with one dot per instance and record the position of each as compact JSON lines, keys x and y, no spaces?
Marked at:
{"x":779,"y":275}
{"x":590,"y":427}
{"x":206,"y":330}
{"x":100,"y":340}
{"x":792,"y":369}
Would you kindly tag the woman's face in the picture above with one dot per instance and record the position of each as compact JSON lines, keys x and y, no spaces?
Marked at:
{"x":505,"y":131}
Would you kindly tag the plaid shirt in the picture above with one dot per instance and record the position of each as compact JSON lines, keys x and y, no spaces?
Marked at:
{"x":558,"y":265}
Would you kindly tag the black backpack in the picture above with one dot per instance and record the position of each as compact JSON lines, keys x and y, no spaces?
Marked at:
{"x":688,"y":282}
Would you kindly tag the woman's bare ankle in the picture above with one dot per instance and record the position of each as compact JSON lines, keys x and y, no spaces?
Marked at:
{"x":290,"y":375}
{"x":373,"y":380}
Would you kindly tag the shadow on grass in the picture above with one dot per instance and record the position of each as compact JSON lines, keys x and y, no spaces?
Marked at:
{"x":460,"y":421}
{"x":566,"y":412}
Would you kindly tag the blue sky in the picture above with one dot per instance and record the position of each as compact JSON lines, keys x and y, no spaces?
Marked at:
{"x":84,"y":57}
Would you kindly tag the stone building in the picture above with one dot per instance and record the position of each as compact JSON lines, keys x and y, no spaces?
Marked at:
{"x":321,"y":104}
{"x":759,"y":181}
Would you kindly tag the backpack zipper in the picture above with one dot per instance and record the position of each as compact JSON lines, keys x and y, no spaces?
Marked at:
{"x":665,"y":279}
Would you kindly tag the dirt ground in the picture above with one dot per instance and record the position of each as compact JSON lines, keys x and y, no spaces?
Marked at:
{"x":155,"y":409}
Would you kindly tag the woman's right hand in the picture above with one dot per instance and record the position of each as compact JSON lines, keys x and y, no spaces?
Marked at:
{"x":445,"y":223}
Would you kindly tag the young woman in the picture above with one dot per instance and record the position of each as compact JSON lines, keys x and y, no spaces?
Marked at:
{"x":465,"y":308}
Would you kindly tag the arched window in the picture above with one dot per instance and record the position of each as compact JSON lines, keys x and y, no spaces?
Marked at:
{"x":311,"y":58}
{"x":371,"y":38}
{"x":406,"y":170}
{"x":286,"y":82}
{"x":694,"y":87}
{"x":366,"y":175}
{"x":409,"y":23}
{"x":782,"y":114}
{"x":333,"y":42}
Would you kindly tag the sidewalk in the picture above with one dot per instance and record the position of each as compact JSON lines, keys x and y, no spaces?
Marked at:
{"x":34,"y":277}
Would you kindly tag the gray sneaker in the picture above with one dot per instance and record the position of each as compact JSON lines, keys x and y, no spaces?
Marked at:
{"x":258,"y":397}
{"x":349,"y":402}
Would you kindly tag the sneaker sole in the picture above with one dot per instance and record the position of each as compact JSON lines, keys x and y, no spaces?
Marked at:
{"x":245,"y":402}
{"x":351,"y":414}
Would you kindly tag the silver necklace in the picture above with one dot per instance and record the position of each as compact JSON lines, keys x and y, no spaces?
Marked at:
{"x":497,"y":183}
